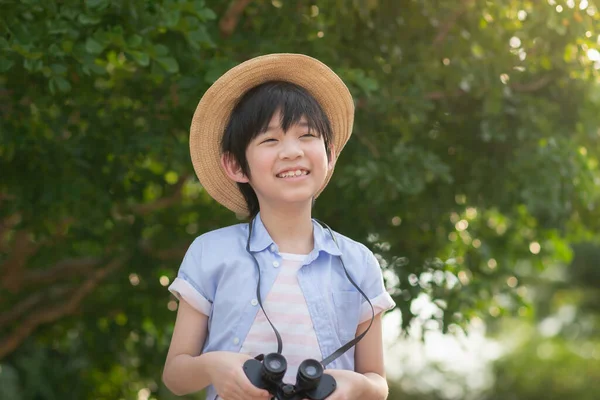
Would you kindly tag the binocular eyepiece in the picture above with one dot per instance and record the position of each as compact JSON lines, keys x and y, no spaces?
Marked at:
{"x":274,"y":367}
{"x":311,"y":383}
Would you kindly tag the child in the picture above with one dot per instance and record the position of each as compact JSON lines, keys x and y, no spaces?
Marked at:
{"x":264,"y":141}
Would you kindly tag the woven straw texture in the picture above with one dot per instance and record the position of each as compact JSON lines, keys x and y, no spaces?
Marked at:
{"x":214,"y":109}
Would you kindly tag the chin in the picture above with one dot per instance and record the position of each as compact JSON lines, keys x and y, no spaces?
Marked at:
{"x":297,"y":199}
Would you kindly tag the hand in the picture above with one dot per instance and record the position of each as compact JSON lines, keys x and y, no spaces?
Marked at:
{"x":349,"y":384}
{"x":229,"y":379}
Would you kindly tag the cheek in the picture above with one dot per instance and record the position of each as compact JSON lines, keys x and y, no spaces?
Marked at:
{"x":319,"y":155}
{"x":259,"y":161}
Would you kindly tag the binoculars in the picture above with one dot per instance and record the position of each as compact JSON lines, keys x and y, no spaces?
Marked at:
{"x":266,"y":372}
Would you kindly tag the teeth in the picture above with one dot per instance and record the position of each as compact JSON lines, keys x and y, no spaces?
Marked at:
{"x":290,"y":174}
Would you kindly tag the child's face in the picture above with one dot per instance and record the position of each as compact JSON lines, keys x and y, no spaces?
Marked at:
{"x":287,"y":168}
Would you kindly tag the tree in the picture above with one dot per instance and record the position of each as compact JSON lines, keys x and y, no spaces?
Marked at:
{"x":475,"y":146}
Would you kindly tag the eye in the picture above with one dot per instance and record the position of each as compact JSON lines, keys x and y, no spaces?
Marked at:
{"x":268,"y":140}
{"x":309,"y":135}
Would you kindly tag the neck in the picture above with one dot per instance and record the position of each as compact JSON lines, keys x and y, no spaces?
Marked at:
{"x":291,"y":231}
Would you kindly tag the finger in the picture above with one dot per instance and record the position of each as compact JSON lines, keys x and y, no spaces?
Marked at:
{"x":248,"y":389}
{"x":334,"y":396}
{"x":230,"y":396}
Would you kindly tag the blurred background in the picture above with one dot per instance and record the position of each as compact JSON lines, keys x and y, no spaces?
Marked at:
{"x":472,"y":173}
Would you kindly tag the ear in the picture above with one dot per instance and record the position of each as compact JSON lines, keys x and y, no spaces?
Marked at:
{"x":332,"y":158}
{"x":233,"y":169}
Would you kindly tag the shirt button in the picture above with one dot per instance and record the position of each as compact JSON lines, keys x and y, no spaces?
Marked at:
{"x":275,"y":264}
{"x":254,"y":302}
{"x":273,"y":248}
{"x":236,"y":341}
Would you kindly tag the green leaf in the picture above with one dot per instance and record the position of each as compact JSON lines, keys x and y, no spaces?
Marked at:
{"x":52,"y":86}
{"x":141,"y":58}
{"x":6,"y":64}
{"x":207,"y":14}
{"x":161,"y":50}
{"x":169,"y":64}
{"x":97,"y":69}
{"x":27,"y":51}
{"x":69,"y":13}
{"x":88,"y":19}
{"x":200,"y":36}
{"x":55,"y":51}
{"x":58,"y":69}
{"x":215,"y":70}
{"x":93,"y":46}
{"x":33,"y":65}
{"x":67,"y":46}
{"x":97,"y":4}
{"x":172,"y":18}
{"x":62,"y":84}
{"x":134,"y":41}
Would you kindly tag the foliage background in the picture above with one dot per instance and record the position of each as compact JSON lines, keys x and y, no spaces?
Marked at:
{"x":472,"y":173}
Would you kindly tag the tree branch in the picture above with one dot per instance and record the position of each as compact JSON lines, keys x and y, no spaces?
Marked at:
{"x":229,"y":22}
{"x":60,"y":270}
{"x":532,"y":86}
{"x":164,"y":254}
{"x":517,"y":87}
{"x":29,"y":302}
{"x":50,"y":314}
{"x":23,"y":249}
{"x":443,"y":95}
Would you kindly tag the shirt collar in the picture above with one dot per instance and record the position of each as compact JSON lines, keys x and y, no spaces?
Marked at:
{"x":260,"y":239}
{"x":323,"y":241}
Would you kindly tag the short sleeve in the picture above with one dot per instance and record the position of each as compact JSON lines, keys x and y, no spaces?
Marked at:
{"x":193,"y":282}
{"x":374,"y":288}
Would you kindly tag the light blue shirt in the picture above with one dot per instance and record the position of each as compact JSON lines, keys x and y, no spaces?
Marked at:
{"x":218,"y":277}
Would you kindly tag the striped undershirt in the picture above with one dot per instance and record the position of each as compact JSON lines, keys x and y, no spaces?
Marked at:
{"x":286,"y":307}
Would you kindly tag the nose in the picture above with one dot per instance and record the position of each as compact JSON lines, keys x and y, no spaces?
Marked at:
{"x":290,"y":149}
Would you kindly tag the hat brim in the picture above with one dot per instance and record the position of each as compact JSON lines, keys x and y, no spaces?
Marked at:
{"x":214,"y":109}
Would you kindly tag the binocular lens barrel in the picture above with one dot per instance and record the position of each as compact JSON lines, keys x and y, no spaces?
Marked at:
{"x":309,"y":374}
{"x":274,"y":367}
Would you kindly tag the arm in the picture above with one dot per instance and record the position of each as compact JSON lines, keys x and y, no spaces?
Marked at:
{"x":368,"y":380}
{"x":368,"y":360}
{"x":187,"y":370}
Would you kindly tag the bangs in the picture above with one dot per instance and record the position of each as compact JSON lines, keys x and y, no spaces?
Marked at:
{"x":253,"y":113}
{"x":293,"y":104}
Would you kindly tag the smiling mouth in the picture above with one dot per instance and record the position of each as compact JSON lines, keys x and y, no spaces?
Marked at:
{"x":293,"y":174}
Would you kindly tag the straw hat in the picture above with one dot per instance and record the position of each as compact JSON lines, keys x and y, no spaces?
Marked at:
{"x":215,"y":107}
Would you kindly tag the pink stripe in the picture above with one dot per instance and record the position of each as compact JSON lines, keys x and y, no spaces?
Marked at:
{"x":300,"y":339}
{"x":259,"y":337}
{"x":291,"y":338}
{"x":287,"y":280}
{"x":275,"y":317}
{"x":286,"y":297}
{"x":294,"y":361}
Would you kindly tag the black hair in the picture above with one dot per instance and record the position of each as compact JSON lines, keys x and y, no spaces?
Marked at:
{"x":252,"y":114}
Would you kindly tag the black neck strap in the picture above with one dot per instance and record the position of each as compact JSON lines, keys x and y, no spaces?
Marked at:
{"x":329,"y":359}
{"x":258,"y":296}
